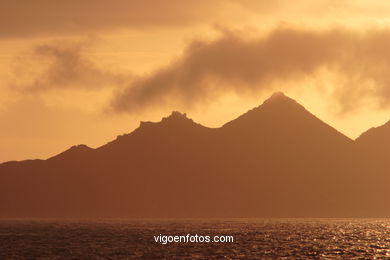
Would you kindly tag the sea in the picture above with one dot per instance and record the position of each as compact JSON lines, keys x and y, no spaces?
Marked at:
{"x":252,"y":239}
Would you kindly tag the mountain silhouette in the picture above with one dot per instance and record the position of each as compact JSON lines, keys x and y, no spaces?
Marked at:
{"x":276,"y":160}
{"x":374,"y":148}
{"x":376,"y":138}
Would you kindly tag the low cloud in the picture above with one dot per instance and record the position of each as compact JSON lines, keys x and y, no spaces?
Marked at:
{"x":243,"y":65}
{"x":61,"y":66}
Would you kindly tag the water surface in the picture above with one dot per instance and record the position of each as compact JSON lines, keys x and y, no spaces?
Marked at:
{"x":253,"y":239}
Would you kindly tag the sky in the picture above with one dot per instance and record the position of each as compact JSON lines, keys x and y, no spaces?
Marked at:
{"x":83,"y":72}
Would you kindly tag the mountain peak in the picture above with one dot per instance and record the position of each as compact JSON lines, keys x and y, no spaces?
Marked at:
{"x":80,"y":147}
{"x":175,"y":119}
{"x":74,"y":151}
{"x":279,"y":113}
{"x":277,"y":108}
{"x":279,"y":97}
{"x":176,"y":116}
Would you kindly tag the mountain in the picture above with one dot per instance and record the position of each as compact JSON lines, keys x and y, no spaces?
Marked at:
{"x":376,"y":138}
{"x":73,"y":153}
{"x":374,"y":148}
{"x":276,"y":160}
{"x":280,"y":122}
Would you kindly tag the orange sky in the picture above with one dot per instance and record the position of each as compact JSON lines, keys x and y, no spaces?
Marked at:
{"x":85,"y":71}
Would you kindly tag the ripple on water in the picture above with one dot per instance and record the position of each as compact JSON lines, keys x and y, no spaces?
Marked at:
{"x":253,"y":238}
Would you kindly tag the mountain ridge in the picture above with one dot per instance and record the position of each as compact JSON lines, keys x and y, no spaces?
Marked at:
{"x":276,"y":160}
{"x":176,"y":117}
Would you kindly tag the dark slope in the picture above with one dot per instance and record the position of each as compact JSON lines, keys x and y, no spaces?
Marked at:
{"x":275,"y":160}
{"x":376,"y":139}
{"x":295,"y":160}
{"x":281,"y":126}
{"x":282,"y":116}
{"x":76,"y":152}
{"x":373,"y":147}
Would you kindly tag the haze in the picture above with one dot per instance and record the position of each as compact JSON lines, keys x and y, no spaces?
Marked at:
{"x":85,"y":71}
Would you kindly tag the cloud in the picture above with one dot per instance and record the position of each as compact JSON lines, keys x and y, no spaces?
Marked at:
{"x":24,"y":18}
{"x":243,"y":65}
{"x":61,"y":66}
{"x":46,"y":17}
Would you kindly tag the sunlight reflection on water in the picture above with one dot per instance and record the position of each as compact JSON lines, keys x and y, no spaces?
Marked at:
{"x":253,"y":238}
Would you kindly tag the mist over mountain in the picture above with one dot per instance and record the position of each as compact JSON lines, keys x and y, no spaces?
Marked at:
{"x":276,"y":160}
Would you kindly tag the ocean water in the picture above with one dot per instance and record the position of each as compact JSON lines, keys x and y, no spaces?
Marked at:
{"x":253,"y":239}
